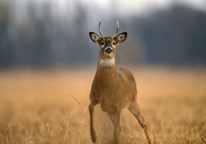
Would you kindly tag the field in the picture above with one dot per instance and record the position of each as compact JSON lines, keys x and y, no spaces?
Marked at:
{"x":50,"y":107}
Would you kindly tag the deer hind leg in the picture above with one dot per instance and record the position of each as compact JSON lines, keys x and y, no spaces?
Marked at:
{"x":92,"y":130}
{"x":115,"y":118}
{"x":112,"y":119}
{"x":117,"y":128}
{"x":134,"y":108}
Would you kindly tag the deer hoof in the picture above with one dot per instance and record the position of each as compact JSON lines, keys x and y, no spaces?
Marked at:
{"x":93,"y":136}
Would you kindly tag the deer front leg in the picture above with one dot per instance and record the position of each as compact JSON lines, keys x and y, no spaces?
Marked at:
{"x":117,"y":128}
{"x":92,"y":131}
{"x":134,"y":108}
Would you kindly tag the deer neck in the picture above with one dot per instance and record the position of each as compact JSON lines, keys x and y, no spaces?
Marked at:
{"x":106,"y":70}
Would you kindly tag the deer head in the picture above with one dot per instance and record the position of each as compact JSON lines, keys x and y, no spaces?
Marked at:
{"x":108,"y":45}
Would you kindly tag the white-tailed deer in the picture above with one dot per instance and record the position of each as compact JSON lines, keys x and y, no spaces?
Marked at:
{"x":113,"y":88}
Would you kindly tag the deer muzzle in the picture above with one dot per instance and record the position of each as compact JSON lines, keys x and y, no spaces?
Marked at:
{"x":108,"y":50}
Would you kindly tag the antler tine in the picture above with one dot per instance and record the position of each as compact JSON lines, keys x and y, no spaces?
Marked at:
{"x":117,"y":30}
{"x":100,"y":30}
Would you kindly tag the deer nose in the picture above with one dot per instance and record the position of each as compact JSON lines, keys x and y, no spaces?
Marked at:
{"x":108,"y":50}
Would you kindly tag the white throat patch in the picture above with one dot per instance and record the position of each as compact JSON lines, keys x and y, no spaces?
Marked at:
{"x":107,"y":62}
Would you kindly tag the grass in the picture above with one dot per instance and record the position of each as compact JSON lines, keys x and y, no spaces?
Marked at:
{"x":50,"y":106}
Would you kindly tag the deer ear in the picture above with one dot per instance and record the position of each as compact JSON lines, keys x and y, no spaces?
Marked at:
{"x":121,"y":37}
{"x":94,"y":37}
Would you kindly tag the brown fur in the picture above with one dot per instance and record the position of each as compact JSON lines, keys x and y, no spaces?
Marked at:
{"x":113,"y":88}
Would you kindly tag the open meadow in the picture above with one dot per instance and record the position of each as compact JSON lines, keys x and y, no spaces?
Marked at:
{"x":51,"y":107}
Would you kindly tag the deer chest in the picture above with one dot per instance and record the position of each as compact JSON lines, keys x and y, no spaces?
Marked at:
{"x":109,"y":106}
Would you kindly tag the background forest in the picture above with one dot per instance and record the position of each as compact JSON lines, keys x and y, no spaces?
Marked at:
{"x":49,"y":34}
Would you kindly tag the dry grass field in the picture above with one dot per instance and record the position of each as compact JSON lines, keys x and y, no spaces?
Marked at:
{"x":50,"y":107}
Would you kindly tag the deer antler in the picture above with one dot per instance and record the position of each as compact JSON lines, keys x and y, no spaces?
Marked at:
{"x":100,"y":30}
{"x":117,"y":30}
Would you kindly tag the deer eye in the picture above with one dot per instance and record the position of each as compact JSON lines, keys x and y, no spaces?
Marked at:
{"x":102,"y":43}
{"x":113,"y":43}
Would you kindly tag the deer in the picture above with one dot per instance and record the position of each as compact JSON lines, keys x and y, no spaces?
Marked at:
{"x":113,"y":88}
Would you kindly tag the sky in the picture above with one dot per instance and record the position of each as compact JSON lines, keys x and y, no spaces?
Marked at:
{"x":130,"y":5}
{"x":140,"y":7}
{"x":124,"y":7}
{"x":101,"y":9}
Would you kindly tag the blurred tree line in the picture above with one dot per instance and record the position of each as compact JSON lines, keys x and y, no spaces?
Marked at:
{"x":40,"y":37}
